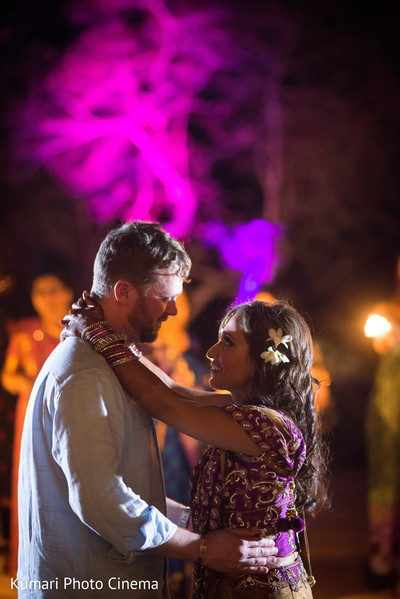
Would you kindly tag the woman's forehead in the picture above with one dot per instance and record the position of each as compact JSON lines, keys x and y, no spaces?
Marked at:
{"x":230,"y":325}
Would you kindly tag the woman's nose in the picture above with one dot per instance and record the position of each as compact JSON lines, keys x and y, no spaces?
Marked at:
{"x":211,"y":352}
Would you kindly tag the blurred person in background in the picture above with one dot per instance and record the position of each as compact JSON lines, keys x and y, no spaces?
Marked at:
{"x":6,"y":438}
{"x":383,"y":453}
{"x":31,"y":342}
{"x":213,"y":287}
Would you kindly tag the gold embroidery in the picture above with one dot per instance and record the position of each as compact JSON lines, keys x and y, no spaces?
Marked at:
{"x":254,"y":491}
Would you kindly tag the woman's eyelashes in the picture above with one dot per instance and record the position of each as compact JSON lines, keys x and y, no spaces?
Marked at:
{"x":227,"y":339}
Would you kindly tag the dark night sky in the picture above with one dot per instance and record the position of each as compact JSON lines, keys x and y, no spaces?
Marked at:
{"x":343,"y":264}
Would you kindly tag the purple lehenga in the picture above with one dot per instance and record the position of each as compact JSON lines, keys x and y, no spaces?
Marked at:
{"x":231,"y":490}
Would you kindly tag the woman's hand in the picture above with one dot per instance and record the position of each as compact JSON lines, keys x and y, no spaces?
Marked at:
{"x":83,"y":313}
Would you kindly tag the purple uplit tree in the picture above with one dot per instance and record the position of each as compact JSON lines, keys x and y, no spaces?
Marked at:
{"x":111,"y":121}
{"x":165,"y":114}
{"x":186,"y":112}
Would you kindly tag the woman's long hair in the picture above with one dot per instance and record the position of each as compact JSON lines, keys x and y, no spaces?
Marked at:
{"x":288,"y":387}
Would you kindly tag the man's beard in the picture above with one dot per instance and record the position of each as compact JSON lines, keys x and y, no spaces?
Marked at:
{"x":146,"y":333}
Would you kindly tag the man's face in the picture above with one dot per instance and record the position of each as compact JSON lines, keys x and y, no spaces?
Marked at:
{"x":153,"y":306}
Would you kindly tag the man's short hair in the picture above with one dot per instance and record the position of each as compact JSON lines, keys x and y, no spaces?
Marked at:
{"x":136,"y":252}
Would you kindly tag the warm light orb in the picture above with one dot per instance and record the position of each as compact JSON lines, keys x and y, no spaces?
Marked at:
{"x":376,"y":326}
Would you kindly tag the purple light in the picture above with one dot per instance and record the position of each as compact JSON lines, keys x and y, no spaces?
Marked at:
{"x":249,"y":248}
{"x":111,"y":122}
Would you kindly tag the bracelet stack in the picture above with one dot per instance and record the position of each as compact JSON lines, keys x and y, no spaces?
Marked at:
{"x":110,"y":344}
{"x":97,"y":334}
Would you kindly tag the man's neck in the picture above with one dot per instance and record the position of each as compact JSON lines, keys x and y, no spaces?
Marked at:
{"x":117,"y":318}
{"x":111,"y":314}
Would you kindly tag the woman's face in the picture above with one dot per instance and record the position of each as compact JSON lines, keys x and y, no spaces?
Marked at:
{"x":51,"y":298}
{"x":231,"y":367}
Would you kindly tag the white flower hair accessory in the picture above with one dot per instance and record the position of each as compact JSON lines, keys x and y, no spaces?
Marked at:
{"x":277,"y":338}
{"x":272,"y":354}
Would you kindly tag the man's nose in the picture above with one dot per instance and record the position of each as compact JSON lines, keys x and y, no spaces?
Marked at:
{"x":172,"y":310}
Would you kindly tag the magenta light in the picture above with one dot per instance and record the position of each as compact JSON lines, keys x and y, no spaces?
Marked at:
{"x":111,"y":121}
{"x":249,"y":248}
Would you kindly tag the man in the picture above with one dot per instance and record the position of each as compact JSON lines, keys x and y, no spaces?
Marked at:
{"x":92,"y":502}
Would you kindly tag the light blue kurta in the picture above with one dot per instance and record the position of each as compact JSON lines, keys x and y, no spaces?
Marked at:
{"x":91,"y":490}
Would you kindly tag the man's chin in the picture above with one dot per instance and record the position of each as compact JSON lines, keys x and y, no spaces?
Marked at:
{"x":148,"y":336}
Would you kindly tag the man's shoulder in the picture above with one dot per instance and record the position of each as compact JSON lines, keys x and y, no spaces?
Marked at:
{"x":73,"y":373}
{"x":73,"y":356}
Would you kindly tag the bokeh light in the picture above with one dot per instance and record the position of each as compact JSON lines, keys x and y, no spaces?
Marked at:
{"x":376,"y":326}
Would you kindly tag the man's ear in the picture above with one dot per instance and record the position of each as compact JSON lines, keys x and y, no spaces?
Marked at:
{"x":124,"y":292}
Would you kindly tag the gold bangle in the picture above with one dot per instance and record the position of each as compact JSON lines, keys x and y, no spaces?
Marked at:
{"x":203,"y":549}
{"x":110,"y":339}
{"x":122,"y":361}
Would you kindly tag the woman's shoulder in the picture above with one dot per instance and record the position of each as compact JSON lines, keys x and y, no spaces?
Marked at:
{"x":24,"y":325}
{"x":263,"y":415}
{"x":279,"y":439}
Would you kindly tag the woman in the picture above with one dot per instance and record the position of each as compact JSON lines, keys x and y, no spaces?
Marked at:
{"x":31,"y":342}
{"x":265,"y":461}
